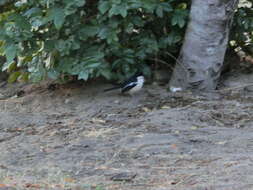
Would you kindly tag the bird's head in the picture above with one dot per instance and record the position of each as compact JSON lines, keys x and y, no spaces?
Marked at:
{"x":139,"y":73}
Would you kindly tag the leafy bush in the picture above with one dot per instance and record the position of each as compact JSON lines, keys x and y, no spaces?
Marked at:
{"x":242,"y":30}
{"x":92,"y":38}
{"x":88,"y":38}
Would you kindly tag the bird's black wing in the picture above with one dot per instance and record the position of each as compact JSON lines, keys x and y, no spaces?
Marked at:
{"x":129,"y":84}
{"x":128,"y":87}
{"x":128,"y":81}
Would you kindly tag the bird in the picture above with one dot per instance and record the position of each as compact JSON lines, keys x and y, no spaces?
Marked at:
{"x":131,"y":85}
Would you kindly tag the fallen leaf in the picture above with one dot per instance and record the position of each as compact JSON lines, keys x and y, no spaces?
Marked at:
{"x":96,"y":120}
{"x":102,"y":168}
{"x":69,"y":180}
{"x":47,"y":150}
{"x":145,"y":109}
{"x":174,"y":146}
{"x":194,"y":128}
{"x":59,"y":186}
{"x":94,"y":185}
{"x":165,"y":107}
{"x":30,"y":185}
{"x":53,"y":133}
{"x":221,"y":142}
{"x":173,"y":182}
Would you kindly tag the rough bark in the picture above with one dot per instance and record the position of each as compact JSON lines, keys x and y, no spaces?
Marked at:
{"x":202,"y":55}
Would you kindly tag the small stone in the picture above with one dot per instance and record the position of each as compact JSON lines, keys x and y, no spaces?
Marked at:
{"x":249,"y":88}
{"x":14,"y":97}
{"x":20,"y":93}
{"x":124,"y":176}
{"x":116,"y":101}
{"x":67,"y":101}
{"x":221,"y":143}
{"x":2,"y":84}
{"x":1,"y":96}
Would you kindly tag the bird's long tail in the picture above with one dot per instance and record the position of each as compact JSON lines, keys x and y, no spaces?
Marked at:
{"x":114,"y":88}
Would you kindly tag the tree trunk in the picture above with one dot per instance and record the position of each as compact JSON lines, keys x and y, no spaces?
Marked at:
{"x":202,"y":55}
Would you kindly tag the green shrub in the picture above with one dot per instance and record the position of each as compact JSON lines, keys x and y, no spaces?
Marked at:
{"x":93,"y":38}
{"x":242,"y":30}
{"x":88,"y":38}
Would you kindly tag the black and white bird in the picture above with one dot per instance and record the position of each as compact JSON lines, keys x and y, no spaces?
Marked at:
{"x":131,"y":85}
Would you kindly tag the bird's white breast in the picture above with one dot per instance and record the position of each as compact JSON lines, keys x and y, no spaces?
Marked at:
{"x":140,"y":82}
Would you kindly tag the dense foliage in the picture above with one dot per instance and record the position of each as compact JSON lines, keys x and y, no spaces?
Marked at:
{"x":242,"y":30}
{"x":92,"y":38}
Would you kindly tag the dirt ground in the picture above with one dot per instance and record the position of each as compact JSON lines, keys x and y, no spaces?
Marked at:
{"x":76,"y":137}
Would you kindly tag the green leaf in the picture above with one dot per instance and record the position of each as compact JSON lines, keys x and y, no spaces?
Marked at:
{"x":33,"y":11}
{"x":166,"y":7}
{"x":113,"y":11}
{"x":10,"y":52}
{"x":79,"y":3}
{"x":71,"y":6}
{"x":23,"y":77}
{"x":103,"y":6}
{"x":106,"y":73}
{"x":123,"y":11}
{"x":58,"y":16}
{"x":179,"y":18}
{"x":88,"y":31}
{"x":181,"y":23}
{"x":182,"y":6}
{"x":20,"y":21}
{"x":83,"y":75}
{"x":159,"y":11}
{"x":172,"y":38}
{"x":120,"y":9}
{"x":12,"y":67}
{"x":149,"y":6}
{"x":14,"y":76}
{"x":36,"y":76}
{"x":103,"y":32}
{"x":93,"y":65}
